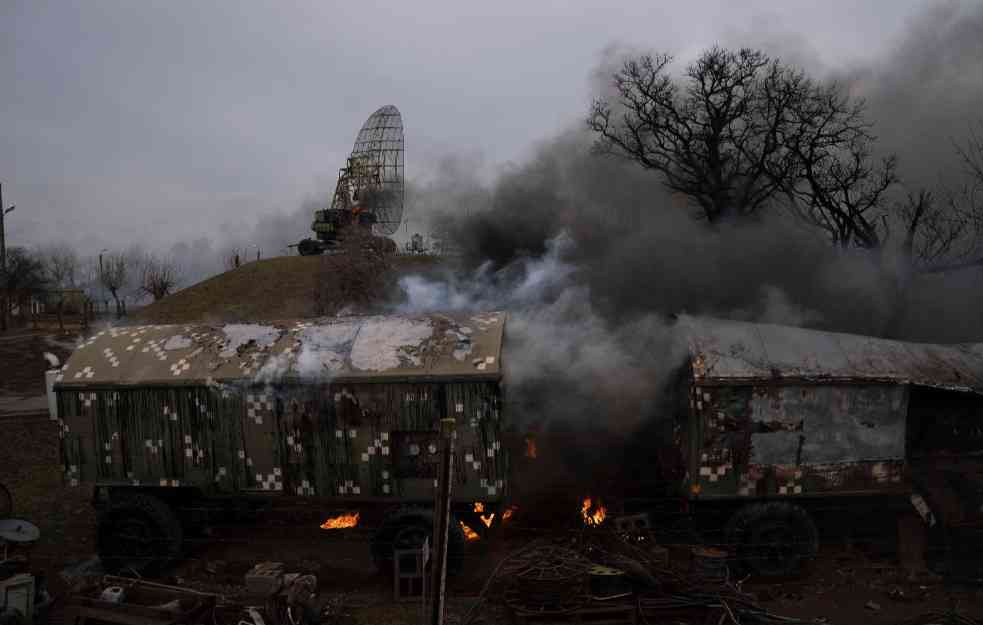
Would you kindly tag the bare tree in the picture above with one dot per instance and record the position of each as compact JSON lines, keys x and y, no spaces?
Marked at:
{"x":845,"y":194}
{"x":972,"y":157}
{"x":942,"y":232}
{"x":24,"y":277}
{"x":158,"y":276}
{"x":63,"y":268}
{"x":729,"y":135}
{"x":113,"y":275}
{"x":231,"y":259}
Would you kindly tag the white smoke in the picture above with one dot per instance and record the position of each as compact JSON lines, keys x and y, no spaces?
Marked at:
{"x":563,"y":360}
{"x":527,"y":283}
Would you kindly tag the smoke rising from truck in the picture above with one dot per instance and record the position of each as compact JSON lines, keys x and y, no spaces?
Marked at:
{"x":592,"y":256}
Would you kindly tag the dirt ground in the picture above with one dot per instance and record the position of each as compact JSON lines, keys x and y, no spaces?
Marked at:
{"x":846,"y":586}
{"x":269,"y":289}
{"x":22,"y":363}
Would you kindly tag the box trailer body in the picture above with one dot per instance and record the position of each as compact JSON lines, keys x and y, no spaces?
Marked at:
{"x":338,"y":408}
{"x":780,"y":433}
{"x":769,"y":411}
{"x":343,"y":410}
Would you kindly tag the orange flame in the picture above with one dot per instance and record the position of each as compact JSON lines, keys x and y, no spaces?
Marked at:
{"x":485,"y":518}
{"x":341,"y":521}
{"x":530,"y":447}
{"x":596,"y":517}
{"x":508,"y":514}
{"x":469,"y":533}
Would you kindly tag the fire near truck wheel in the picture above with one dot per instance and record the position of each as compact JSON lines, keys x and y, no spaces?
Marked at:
{"x":139,"y":531}
{"x":407,"y":529}
{"x":772,"y":539}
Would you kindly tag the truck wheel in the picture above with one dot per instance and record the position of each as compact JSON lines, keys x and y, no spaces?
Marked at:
{"x":774,"y":539}
{"x":140,"y":531}
{"x":408,"y":529}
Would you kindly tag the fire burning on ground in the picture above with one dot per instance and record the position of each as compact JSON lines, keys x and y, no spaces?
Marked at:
{"x":341,"y":521}
{"x":469,"y":534}
{"x":593,"y":513}
{"x":487,"y":519}
{"x":530,"y":447}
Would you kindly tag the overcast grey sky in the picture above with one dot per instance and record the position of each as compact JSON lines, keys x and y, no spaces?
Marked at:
{"x":154,"y":121}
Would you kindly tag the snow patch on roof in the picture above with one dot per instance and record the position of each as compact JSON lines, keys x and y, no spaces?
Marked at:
{"x":735,"y":350}
{"x":177,"y":341}
{"x":324,"y":348}
{"x":239,"y":334}
{"x":387,"y":342}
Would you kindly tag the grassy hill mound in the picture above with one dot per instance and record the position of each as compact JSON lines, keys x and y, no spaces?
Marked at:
{"x":275,"y":288}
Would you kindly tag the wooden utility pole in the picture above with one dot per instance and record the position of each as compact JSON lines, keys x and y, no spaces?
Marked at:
{"x":3,"y":235}
{"x":441,"y":521}
{"x":3,"y":261}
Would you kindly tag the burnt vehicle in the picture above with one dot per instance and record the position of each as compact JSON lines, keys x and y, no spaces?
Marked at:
{"x":171,"y":425}
{"x":772,"y":433}
{"x":779,"y":430}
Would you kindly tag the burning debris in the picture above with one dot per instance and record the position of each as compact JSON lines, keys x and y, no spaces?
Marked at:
{"x":342,"y":521}
{"x":531,"y":447}
{"x":487,"y":519}
{"x":593,"y":513}
{"x":469,"y":534}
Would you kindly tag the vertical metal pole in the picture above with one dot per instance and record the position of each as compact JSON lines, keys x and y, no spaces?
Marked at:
{"x":3,"y":264}
{"x":3,"y":236}
{"x":102,"y":285}
{"x":442,"y":519}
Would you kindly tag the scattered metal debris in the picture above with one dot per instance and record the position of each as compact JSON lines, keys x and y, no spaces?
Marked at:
{"x":124,"y":601}
{"x":550,"y":580}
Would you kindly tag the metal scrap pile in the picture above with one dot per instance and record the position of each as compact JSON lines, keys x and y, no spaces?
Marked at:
{"x":272,"y":597}
{"x":602,"y":569}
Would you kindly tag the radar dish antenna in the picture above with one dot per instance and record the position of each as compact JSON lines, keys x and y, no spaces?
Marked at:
{"x":372,"y":180}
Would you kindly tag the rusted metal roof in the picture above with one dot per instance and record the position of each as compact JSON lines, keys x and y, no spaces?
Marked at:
{"x":734,"y":351}
{"x":366,"y":349}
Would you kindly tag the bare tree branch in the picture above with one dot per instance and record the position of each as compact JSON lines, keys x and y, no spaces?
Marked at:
{"x":62,"y":265}
{"x":734,"y":132}
{"x":24,"y":276}
{"x":63,"y":268}
{"x":113,"y":275}
{"x":158,"y":276}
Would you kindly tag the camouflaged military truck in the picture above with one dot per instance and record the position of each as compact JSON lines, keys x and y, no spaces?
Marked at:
{"x":174,"y":422}
{"x":776,"y":432}
{"x":782,"y":429}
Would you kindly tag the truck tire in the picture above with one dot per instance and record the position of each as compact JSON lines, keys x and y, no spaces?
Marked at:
{"x":775,"y":539}
{"x":407,"y":528}
{"x":138,"y":531}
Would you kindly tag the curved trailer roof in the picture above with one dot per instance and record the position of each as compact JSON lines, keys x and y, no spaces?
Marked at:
{"x":344,"y":349}
{"x":732,"y":352}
